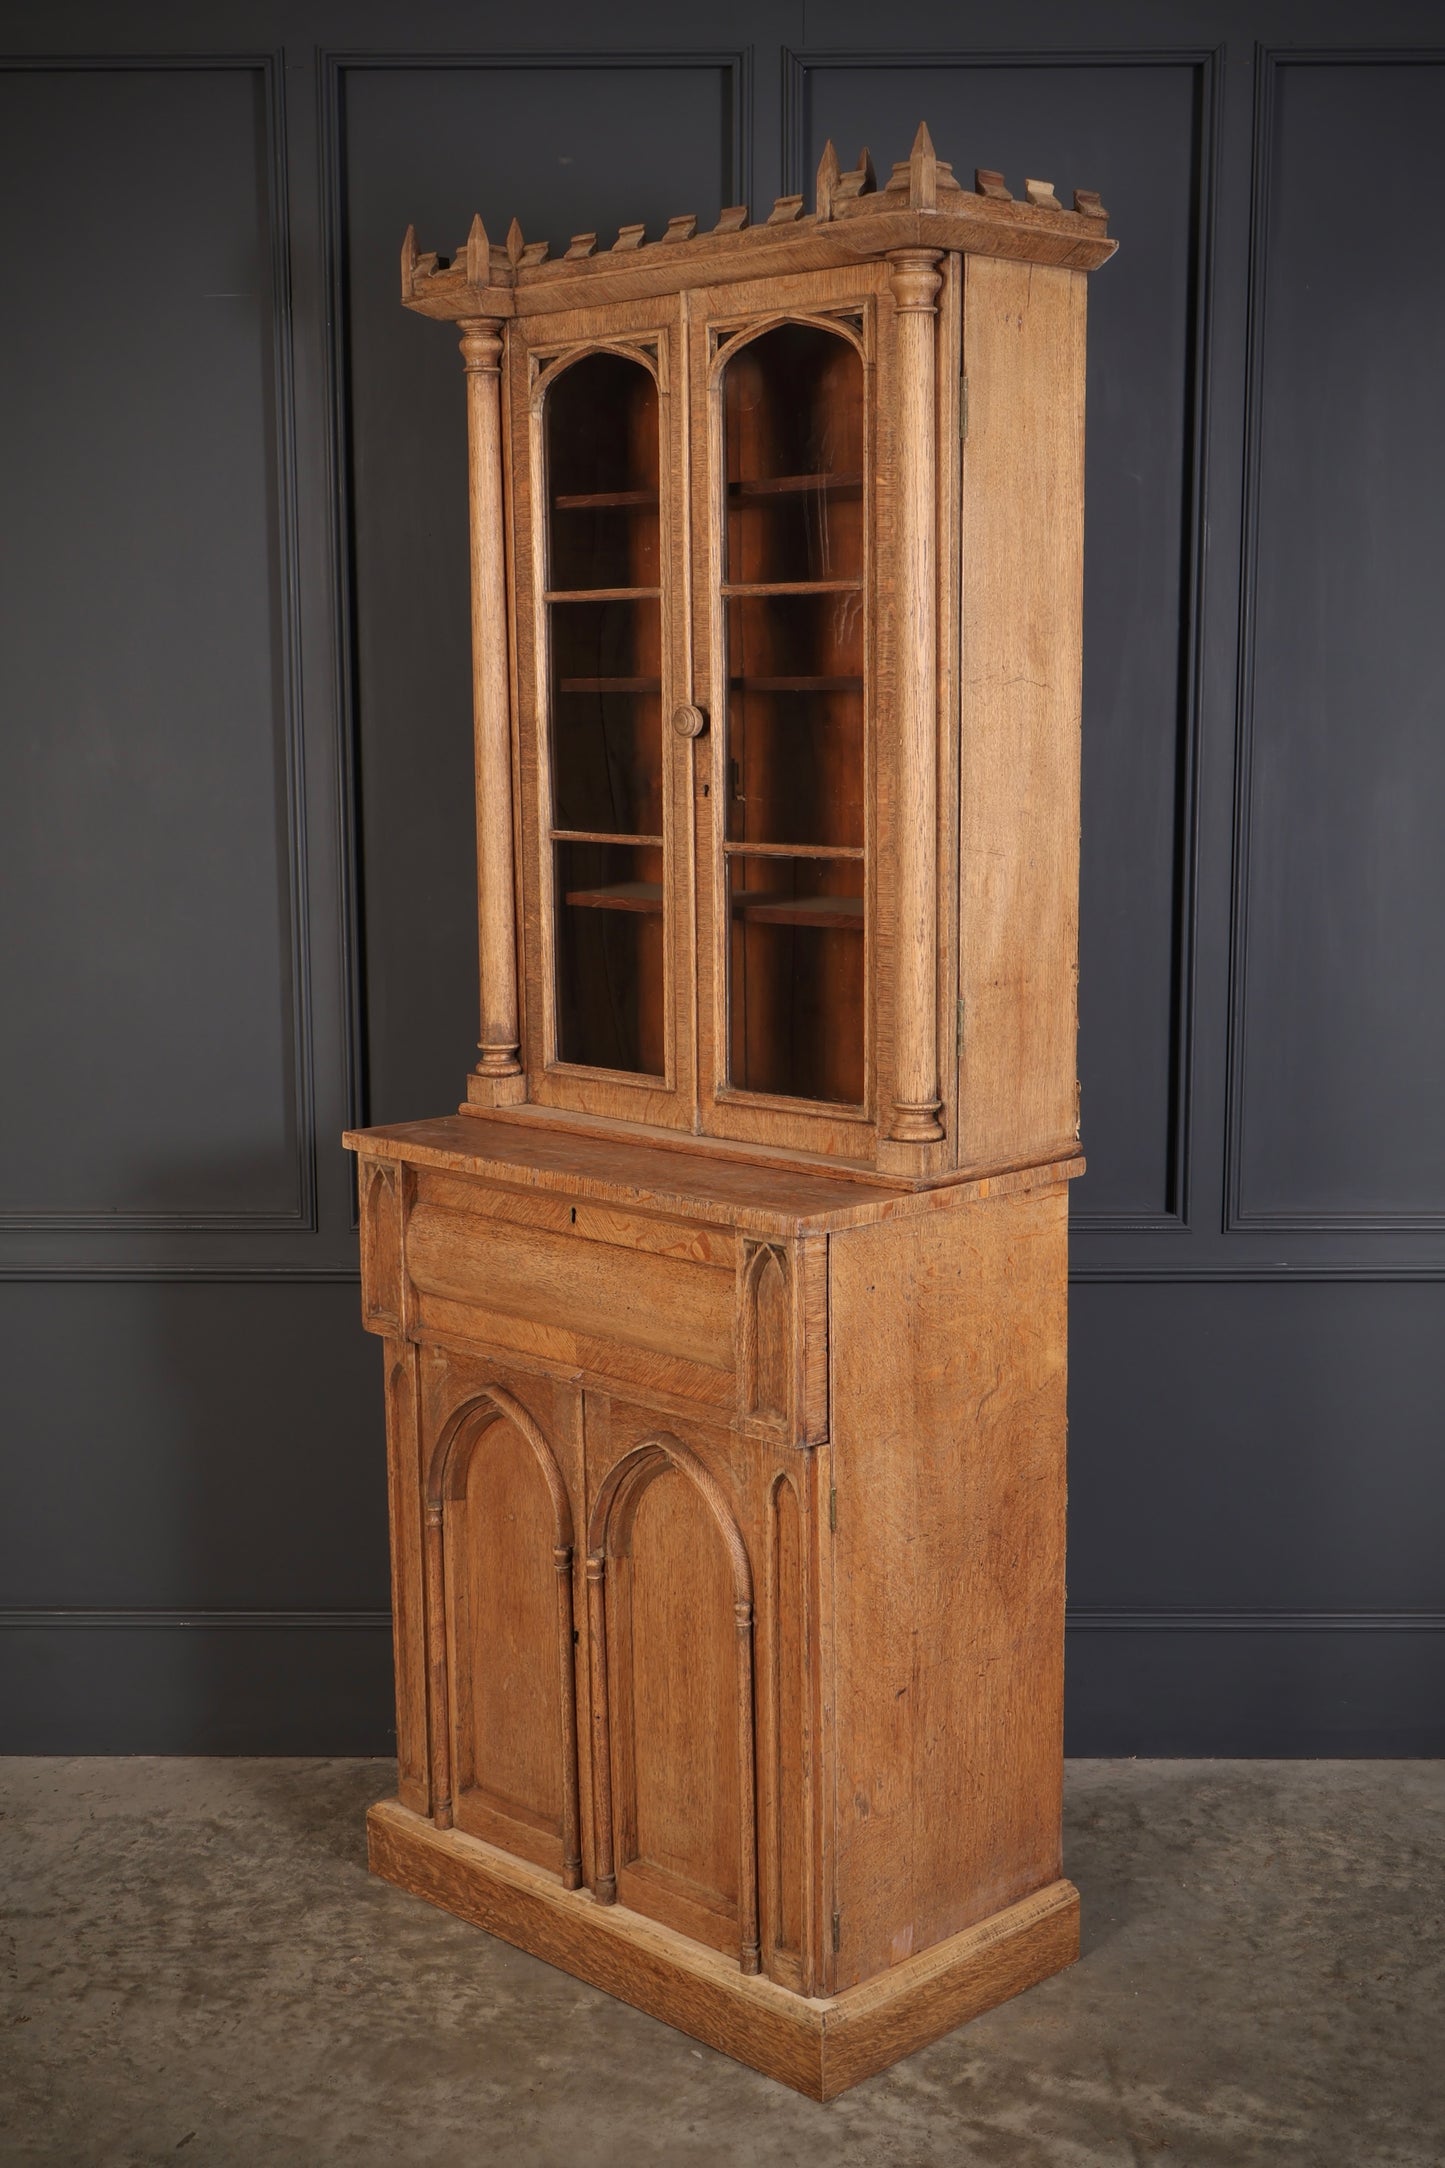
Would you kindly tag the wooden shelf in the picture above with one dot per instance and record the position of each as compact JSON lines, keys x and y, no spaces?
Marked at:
{"x":742,"y":847}
{"x":601,"y":594}
{"x":836,"y":914}
{"x":798,"y":684}
{"x":618,"y":896}
{"x":792,"y":587}
{"x":609,"y":685}
{"x":605,"y":500}
{"x":798,"y":485}
{"x":606,"y":835}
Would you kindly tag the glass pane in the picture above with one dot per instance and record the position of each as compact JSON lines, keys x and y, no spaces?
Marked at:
{"x":605,"y":770}
{"x":797,"y":976}
{"x":795,"y":719}
{"x":604,"y":614}
{"x":796,"y":657}
{"x":609,"y":956}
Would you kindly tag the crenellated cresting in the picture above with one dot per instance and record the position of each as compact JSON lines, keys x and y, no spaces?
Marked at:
{"x":922,"y":205}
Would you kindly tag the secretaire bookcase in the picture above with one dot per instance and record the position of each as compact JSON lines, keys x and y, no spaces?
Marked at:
{"x":725,"y":1321}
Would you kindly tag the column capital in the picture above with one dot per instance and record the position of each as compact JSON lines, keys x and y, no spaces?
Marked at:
{"x":915,"y":278}
{"x":481,"y":343}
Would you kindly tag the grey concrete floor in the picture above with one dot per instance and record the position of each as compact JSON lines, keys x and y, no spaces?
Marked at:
{"x":197,"y":1967}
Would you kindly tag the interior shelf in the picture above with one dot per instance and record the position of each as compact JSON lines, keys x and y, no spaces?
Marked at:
{"x":737,"y":847}
{"x":618,"y":896}
{"x":792,"y":587}
{"x":841,"y":914}
{"x":602,"y":500}
{"x":798,"y":485}
{"x":609,"y":685}
{"x":607,"y":835}
{"x":601,"y":594}
{"x":798,"y":684}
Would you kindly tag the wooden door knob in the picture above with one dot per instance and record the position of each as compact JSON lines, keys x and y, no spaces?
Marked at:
{"x":688,"y":721}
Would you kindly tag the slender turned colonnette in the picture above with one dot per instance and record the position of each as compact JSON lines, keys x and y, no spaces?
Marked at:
{"x":726,"y":1317}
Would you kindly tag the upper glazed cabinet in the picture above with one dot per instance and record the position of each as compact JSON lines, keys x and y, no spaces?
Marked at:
{"x":776,"y":536}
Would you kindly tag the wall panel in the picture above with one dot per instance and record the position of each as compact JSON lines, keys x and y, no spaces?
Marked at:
{"x":1340,"y":910}
{"x":149,"y":832}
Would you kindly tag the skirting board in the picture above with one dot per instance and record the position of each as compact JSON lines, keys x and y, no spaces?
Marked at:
{"x":819,"y":2047}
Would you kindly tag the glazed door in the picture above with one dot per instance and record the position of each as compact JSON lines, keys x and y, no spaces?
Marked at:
{"x":784,"y":428}
{"x":598,"y":475}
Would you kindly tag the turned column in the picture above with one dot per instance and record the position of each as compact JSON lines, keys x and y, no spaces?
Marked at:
{"x":481,"y":345}
{"x":915,"y":280}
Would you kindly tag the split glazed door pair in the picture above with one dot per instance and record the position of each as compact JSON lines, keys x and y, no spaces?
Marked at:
{"x":693,"y":498}
{"x":603,"y":1686}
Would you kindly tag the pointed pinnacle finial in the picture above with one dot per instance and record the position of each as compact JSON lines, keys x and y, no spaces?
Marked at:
{"x":922,"y":171}
{"x":860,"y":182}
{"x":479,"y":252}
{"x":515,"y":244}
{"x":408,"y":263}
{"x":828,"y":177}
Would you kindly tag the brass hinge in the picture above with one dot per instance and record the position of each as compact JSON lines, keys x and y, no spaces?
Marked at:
{"x":833,"y":1507}
{"x":837,"y":1932}
{"x":962,"y":408}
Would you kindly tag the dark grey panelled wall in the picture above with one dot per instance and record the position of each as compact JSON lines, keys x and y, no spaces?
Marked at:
{"x":235,"y":839}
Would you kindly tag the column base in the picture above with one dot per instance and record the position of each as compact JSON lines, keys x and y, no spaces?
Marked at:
{"x":494,"y":1091}
{"x":820,"y":2046}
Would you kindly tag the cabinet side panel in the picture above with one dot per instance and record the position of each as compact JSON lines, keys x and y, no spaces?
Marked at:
{"x":1023,"y":497}
{"x":949,"y":1357}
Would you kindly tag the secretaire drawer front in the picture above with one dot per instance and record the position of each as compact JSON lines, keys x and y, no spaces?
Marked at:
{"x":522,"y":1273}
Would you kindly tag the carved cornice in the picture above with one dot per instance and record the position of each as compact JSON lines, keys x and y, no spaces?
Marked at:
{"x":922,"y":206}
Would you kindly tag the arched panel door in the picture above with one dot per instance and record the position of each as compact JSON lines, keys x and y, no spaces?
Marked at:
{"x":673,"y":1695}
{"x":502,"y":1634}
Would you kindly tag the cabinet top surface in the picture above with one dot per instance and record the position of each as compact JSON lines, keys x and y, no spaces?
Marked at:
{"x":519,"y":1153}
{"x":922,"y":206}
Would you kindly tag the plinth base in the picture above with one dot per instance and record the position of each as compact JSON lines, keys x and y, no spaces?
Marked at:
{"x":818,"y":2046}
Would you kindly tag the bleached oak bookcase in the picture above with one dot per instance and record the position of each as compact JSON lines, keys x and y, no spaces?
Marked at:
{"x":725,"y":1322}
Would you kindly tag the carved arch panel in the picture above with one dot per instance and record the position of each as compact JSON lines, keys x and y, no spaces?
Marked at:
{"x":766,"y":1340}
{"x":670,"y":1592}
{"x":500,"y":1632}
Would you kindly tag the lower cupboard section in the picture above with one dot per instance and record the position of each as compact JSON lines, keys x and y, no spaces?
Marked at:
{"x":607,"y":1650}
